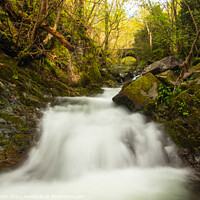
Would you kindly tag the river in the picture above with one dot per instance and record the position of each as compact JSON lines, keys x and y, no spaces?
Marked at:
{"x":91,"y":149}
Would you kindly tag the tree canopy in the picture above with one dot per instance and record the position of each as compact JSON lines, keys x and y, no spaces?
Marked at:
{"x":100,"y":28}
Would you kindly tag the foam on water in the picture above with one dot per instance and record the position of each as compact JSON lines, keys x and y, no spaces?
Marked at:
{"x":91,"y":149}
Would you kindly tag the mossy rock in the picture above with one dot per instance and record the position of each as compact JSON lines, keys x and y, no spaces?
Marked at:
{"x":139,"y":93}
{"x":128,"y":61}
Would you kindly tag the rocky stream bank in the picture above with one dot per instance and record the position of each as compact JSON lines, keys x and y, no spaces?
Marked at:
{"x":26,"y":91}
{"x":178,"y":110}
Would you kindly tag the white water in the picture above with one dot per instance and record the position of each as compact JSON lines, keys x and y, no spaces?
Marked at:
{"x":92,"y":150}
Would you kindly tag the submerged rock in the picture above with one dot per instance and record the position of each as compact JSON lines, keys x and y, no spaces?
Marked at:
{"x":140,"y":92}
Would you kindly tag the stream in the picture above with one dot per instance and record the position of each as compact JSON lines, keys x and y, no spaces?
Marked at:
{"x":91,"y":149}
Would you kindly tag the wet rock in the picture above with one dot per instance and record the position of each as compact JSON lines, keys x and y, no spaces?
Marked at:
{"x":168,"y":63}
{"x":140,"y":92}
{"x":125,"y":76}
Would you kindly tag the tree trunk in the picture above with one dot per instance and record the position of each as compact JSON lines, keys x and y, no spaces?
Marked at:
{"x":49,"y":36}
{"x":150,"y":36}
{"x":172,"y":27}
{"x":80,"y":26}
{"x":106,"y":27}
{"x":184,"y":67}
{"x":15,"y":15}
{"x":60,"y":37}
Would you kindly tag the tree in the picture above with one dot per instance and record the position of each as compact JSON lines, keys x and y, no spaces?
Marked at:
{"x":26,"y":24}
{"x":184,"y":67}
{"x":188,"y":21}
{"x":106,"y":27}
{"x":155,"y":34}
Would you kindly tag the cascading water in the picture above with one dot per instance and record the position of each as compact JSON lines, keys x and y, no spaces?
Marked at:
{"x":92,"y":150}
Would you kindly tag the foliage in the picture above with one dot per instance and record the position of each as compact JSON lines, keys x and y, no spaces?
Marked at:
{"x":187,"y":26}
{"x":167,"y":28}
{"x":165,"y":94}
{"x":182,"y":108}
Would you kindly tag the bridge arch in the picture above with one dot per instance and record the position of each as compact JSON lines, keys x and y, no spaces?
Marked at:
{"x":127,"y":52}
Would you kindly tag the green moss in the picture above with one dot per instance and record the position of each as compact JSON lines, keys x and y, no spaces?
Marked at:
{"x":85,"y":79}
{"x":94,"y":73}
{"x":139,"y":93}
{"x":184,"y":115}
{"x":150,"y":108}
{"x":144,"y":83}
{"x":20,"y":143}
{"x":128,"y":61}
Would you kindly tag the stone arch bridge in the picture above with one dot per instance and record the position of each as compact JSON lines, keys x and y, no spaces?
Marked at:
{"x":126,"y":52}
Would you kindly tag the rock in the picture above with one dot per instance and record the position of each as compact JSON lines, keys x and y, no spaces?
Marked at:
{"x":125,"y":76}
{"x":23,"y":118}
{"x":180,"y":115}
{"x":167,"y":77}
{"x":163,"y":65}
{"x":3,"y":121}
{"x":123,"y":73}
{"x":4,"y":132}
{"x":197,"y":158}
{"x":140,"y":92}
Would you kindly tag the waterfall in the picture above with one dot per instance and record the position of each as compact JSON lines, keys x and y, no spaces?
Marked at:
{"x":92,"y":149}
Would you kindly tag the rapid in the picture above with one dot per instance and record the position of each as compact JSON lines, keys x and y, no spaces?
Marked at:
{"x":91,"y":149}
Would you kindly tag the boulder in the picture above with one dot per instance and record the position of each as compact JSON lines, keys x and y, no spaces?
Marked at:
{"x":167,"y":63}
{"x":168,"y":77}
{"x":140,"y":92}
{"x":123,"y":73}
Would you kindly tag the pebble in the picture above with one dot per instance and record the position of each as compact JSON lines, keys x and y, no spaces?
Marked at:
{"x":23,"y":118}
{"x":3,"y":121}
{"x":5,"y":131}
